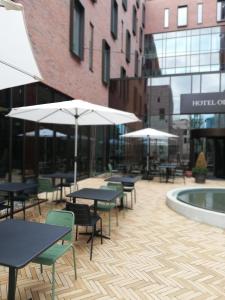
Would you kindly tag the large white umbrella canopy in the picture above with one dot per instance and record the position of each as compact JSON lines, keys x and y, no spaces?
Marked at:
{"x":149,"y":133}
{"x":74,"y":112}
{"x":17,"y":62}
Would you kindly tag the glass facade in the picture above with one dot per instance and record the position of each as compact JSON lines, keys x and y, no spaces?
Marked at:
{"x":24,"y":155}
{"x":186,"y":51}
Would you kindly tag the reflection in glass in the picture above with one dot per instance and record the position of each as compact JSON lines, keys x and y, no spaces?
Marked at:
{"x":210,"y":83}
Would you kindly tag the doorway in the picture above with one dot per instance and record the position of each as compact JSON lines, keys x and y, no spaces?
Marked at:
{"x":214,"y":149}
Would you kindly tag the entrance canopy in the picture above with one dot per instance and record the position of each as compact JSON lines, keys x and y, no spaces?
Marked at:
{"x":17,"y":62}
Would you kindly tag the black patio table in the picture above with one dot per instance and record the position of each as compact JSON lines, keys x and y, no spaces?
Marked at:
{"x":61,"y":176}
{"x":21,"y":242}
{"x":168,"y":167}
{"x":96,"y":195}
{"x":123,"y":179}
{"x":15,"y":187}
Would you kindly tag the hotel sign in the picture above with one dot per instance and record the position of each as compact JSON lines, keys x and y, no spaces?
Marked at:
{"x":202,"y":103}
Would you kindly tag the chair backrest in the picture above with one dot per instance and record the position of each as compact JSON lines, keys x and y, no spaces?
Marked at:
{"x":44,"y":185}
{"x":110,"y":167}
{"x":31,"y":191}
{"x":62,"y":218}
{"x":81,"y":212}
{"x":70,"y":180}
{"x":115,"y":186}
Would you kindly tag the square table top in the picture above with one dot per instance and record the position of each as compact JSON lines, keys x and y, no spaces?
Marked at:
{"x":16,"y":186}
{"x":22,"y":241}
{"x":59,"y":175}
{"x":123,"y":179}
{"x":95,"y":194}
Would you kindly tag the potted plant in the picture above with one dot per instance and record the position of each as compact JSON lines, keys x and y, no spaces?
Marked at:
{"x":200,"y":169}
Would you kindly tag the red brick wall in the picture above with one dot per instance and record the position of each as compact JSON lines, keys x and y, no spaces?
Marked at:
{"x":48,"y":23}
{"x":155,"y":14}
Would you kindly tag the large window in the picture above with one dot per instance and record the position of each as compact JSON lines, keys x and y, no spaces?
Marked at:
{"x":91,"y":46}
{"x":128,"y":46}
{"x":182,"y":16}
{"x":77,"y":29}
{"x":220,"y":10}
{"x":166,"y":17}
{"x":199,"y":13}
{"x":186,"y":51}
{"x":105,"y":62}
{"x":134,"y":20}
{"x":114,"y":18}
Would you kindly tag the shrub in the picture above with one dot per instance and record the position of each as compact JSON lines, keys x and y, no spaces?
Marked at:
{"x":200,"y":165}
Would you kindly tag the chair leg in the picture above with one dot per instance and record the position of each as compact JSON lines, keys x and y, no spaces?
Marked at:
{"x":41,"y":267}
{"x":92,"y":238}
{"x":39,"y":205}
{"x":135,"y":196}
{"x":117,"y":216}
{"x":101,"y":230}
{"x":23,"y":210}
{"x":131,"y":196}
{"x":109,"y":222}
{"x":76,"y":231}
{"x":53,"y":281}
{"x":74,"y":263}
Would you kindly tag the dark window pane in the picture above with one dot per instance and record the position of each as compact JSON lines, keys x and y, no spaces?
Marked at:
{"x":105,"y":62}
{"x":77,"y":29}
{"x":128,"y":46}
{"x":114,"y":18}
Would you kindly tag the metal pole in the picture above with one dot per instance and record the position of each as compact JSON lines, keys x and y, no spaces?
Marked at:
{"x":75,"y":149}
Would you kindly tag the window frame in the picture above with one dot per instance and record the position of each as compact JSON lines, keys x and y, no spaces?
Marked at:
{"x":105,"y":51}
{"x":77,"y":7}
{"x":178,"y":10}
{"x":91,"y":47}
{"x":219,"y":13}
{"x":136,"y":64}
{"x":199,"y":10}
{"x":141,"y":37}
{"x":166,"y":19}
{"x":143,"y":14}
{"x":134,"y":20}
{"x":128,"y":46}
{"x":124,"y":4}
{"x":114,"y":19}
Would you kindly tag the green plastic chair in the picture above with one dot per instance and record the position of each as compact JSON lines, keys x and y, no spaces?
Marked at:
{"x":45,"y":186}
{"x":111,"y":171}
{"x":50,"y":256}
{"x":107,"y":207}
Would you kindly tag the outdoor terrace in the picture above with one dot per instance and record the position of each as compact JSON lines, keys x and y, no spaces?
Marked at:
{"x":154,"y":253}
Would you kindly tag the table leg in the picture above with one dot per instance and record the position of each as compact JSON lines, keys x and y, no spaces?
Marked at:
{"x":11,"y":204}
{"x":61,"y":200}
{"x":12,"y":283}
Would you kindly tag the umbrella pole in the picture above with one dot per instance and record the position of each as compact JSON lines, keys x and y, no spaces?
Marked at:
{"x":75,"y":150}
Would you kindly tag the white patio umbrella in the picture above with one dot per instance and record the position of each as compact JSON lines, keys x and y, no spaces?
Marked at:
{"x":17,"y":62}
{"x":74,"y":112}
{"x":149,"y":133}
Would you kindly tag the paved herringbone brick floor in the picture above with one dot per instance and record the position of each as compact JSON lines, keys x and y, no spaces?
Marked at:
{"x":154,"y":253}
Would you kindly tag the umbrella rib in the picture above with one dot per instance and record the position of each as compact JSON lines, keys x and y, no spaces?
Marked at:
{"x":51,"y":113}
{"x":69,"y":112}
{"x":108,"y":120}
{"x":20,"y":70}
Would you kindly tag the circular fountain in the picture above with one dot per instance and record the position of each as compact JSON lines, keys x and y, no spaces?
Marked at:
{"x":206,"y":205}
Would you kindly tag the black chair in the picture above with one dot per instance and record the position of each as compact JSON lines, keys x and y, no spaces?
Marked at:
{"x":26,"y":195}
{"x":4,"y":205}
{"x":84,"y":217}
